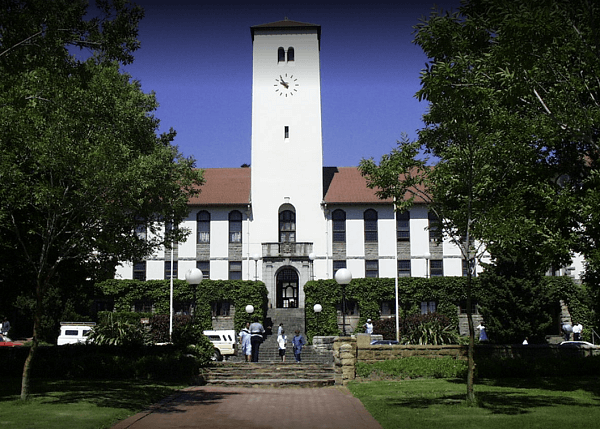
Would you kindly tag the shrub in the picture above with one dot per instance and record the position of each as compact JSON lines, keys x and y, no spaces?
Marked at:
{"x":431,"y":328}
{"x":115,"y":331}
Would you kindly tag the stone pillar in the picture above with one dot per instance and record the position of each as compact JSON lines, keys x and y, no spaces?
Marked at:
{"x":344,"y":354}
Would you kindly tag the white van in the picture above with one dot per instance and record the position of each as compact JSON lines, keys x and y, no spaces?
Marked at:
{"x":74,"y":332}
{"x":224,"y":342}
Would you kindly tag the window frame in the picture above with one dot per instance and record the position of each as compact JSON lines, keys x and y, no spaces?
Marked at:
{"x":370,"y":220}
{"x":203,"y":227}
{"x":235,"y":226}
{"x":338,"y":226}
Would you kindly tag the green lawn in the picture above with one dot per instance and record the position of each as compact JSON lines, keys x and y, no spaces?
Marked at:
{"x":79,"y":404}
{"x":508,"y":403}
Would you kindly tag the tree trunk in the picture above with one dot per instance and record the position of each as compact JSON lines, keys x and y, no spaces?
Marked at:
{"x":470,"y":357}
{"x":37,"y":317}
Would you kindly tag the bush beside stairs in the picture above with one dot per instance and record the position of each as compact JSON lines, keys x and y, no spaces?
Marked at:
{"x":315,"y":370}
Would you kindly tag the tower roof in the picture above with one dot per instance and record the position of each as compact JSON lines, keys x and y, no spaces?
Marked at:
{"x":286,"y":24}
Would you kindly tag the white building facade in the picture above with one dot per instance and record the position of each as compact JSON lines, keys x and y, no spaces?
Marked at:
{"x":287,"y":219}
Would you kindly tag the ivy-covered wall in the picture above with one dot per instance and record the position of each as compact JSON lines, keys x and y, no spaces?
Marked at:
{"x":448,"y":292}
{"x":124,"y":294}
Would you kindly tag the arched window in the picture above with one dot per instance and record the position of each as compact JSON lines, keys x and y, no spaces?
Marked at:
{"x":203,"y":224}
{"x":338,"y":218}
{"x":370,"y":218}
{"x":403,"y":226}
{"x":280,"y":55}
{"x":287,"y":227}
{"x":235,"y":227}
{"x":290,"y":54}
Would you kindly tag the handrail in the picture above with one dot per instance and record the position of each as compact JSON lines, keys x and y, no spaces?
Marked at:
{"x":594,"y":334}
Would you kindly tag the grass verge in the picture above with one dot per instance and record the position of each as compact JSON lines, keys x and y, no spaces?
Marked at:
{"x":77,"y":404}
{"x":550,"y":403}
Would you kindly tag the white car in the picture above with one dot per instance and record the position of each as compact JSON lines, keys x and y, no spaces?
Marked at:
{"x":224,"y":342}
{"x":578,"y":345}
{"x":74,"y":332}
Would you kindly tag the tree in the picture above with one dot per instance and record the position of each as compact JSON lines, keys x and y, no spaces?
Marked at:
{"x":84,"y":178}
{"x":512,"y":90}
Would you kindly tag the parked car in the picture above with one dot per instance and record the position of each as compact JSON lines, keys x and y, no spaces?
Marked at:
{"x":578,"y":344}
{"x":74,"y":332}
{"x":224,"y":342}
{"x":7,"y":342}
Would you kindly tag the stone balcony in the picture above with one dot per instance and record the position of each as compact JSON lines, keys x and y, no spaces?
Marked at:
{"x":286,"y":250}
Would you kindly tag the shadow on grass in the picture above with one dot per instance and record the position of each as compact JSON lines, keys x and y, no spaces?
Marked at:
{"x":128,"y":394}
{"x":518,"y":396}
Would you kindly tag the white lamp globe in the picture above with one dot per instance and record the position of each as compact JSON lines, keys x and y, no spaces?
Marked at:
{"x":343,"y":276}
{"x":194,"y":276}
{"x":249,"y":309}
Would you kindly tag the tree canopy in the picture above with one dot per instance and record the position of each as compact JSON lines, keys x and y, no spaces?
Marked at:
{"x":82,"y":170}
{"x":513,"y":90}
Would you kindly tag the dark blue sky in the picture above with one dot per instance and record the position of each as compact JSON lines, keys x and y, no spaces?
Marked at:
{"x":197,"y":57}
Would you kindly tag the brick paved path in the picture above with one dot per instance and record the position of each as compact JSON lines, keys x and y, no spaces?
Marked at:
{"x":254,"y":408}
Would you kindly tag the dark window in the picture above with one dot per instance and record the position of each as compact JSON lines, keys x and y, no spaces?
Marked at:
{"x":370,"y":218}
{"x":338,"y":265}
{"x":168,"y":270}
{"x":474,"y":307}
{"x":388,"y":308}
{"x":436,"y":268}
{"x":280,"y":55}
{"x":338,"y":218}
{"x":290,"y":54}
{"x":372,"y":268}
{"x":404,"y":268}
{"x":235,"y":270}
{"x":428,"y":307}
{"x":141,"y":232}
{"x":434,"y":227}
{"x":464,"y":267}
{"x":235,"y":227}
{"x":286,"y":132}
{"x":403,"y":226}
{"x":220,"y":309}
{"x":143,"y":307}
{"x":287,"y":227}
{"x":139,"y":271}
{"x":204,"y":266}
{"x":203,"y":224}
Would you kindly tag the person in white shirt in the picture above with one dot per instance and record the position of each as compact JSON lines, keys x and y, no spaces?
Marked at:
{"x":369,"y":327}
{"x":282,"y":342}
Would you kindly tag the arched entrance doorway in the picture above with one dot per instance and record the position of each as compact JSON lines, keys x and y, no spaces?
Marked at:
{"x":287,"y":288}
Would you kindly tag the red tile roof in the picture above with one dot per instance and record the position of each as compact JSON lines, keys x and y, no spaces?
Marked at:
{"x":347,"y":186}
{"x":231,"y":186}
{"x":224,"y":186}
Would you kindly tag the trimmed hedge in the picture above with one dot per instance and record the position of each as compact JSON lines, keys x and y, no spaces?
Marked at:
{"x":79,"y":361}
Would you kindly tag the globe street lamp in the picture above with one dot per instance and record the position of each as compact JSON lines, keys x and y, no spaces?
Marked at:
{"x":193,"y":277}
{"x":317,"y":309}
{"x":249,"y":309}
{"x":343,"y":276}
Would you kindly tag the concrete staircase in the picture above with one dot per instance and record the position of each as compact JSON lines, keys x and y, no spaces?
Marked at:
{"x":268,"y":374}
{"x":315,"y":370}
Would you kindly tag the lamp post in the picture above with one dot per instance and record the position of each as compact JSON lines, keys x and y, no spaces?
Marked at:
{"x":427,"y":257}
{"x":193,"y":277}
{"x":256,"y":257}
{"x":343,"y":277}
{"x":317,"y":309}
{"x":312,"y":257}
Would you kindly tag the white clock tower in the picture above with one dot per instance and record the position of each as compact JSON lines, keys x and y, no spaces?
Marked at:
{"x":287,"y":157}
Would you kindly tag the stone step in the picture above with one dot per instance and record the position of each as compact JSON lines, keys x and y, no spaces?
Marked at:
{"x":268,"y":375}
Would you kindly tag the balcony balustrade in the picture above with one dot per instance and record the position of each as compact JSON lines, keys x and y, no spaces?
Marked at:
{"x":286,"y":250}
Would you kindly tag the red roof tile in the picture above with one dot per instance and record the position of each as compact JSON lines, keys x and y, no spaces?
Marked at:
{"x":224,"y":186}
{"x":347,"y":186}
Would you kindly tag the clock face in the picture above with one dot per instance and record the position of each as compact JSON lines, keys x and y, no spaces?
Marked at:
{"x":286,"y":85}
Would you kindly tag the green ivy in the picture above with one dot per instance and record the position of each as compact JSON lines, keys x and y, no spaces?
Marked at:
{"x":369,"y":293}
{"x":125,"y":293}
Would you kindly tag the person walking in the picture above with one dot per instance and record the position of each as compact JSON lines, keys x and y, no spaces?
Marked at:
{"x":246,"y":343}
{"x":369,"y":327}
{"x":298,"y":342}
{"x":5,"y":326}
{"x":280,"y":329}
{"x":256,"y":337}
{"x":482,"y":334}
{"x":577,"y":330}
{"x":282,"y":343}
